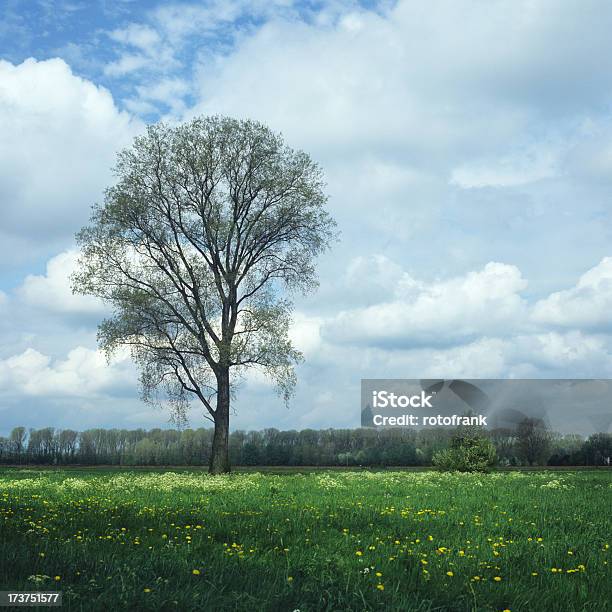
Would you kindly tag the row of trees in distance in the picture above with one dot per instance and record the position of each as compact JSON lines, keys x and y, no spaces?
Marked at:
{"x":527,"y":445}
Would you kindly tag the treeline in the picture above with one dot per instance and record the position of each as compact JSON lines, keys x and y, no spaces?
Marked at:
{"x":527,"y":445}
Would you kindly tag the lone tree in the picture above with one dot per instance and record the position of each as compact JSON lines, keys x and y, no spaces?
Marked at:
{"x":209,"y":229}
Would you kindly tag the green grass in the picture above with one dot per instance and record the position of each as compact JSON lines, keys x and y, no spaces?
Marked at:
{"x":319,"y":541}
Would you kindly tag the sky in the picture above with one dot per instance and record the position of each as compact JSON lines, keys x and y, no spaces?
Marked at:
{"x":467,"y":149}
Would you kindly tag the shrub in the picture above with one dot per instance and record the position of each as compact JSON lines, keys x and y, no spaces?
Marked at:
{"x":469,"y":451}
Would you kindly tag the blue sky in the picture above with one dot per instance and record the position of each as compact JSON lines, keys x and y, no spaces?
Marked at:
{"x":467,"y":147}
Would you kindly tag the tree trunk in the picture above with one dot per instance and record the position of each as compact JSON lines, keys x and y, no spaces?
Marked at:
{"x":219,"y":457}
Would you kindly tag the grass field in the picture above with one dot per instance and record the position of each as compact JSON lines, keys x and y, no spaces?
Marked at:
{"x":318,"y":541}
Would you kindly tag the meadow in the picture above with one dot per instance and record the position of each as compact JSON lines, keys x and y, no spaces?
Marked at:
{"x":410,"y":541}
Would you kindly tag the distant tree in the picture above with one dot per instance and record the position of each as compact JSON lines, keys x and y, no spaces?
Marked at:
{"x":504,"y":440}
{"x":432,"y":440}
{"x":598,"y":449}
{"x":145,"y":452}
{"x":251,"y":454}
{"x":17,"y":441}
{"x":566,"y":450}
{"x":209,"y":226}
{"x":307,"y":443}
{"x":67,"y":444}
{"x":48,"y":444}
{"x":34,"y":449}
{"x":533,"y":441}
{"x":5,"y":449}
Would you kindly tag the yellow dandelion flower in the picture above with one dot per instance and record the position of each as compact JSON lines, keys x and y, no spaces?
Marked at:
{"x":450,"y":574}
{"x":497,"y":578}
{"x":195,"y":572}
{"x":147,"y":590}
{"x":58,"y":578}
{"x":359,"y":553}
{"x":380,"y":587}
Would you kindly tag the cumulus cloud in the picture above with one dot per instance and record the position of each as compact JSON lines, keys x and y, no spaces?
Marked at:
{"x":434,"y":139}
{"x":574,"y":351}
{"x":409,"y":76}
{"x":52,"y":291}
{"x":482,"y":302}
{"x":483,"y":358}
{"x":305,"y":333}
{"x":84,"y":373}
{"x":60,"y":135}
{"x":587,"y":305}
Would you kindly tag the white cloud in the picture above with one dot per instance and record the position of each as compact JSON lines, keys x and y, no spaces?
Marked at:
{"x":587,"y":305}
{"x":83,"y":373}
{"x":410,"y":312}
{"x":405,"y":90}
{"x":59,"y":137}
{"x":127,"y":62}
{"x":408,"y":77}
{"x":52,"y":291}
{"x":374,"y":277}
{"x":518,"y":169}
{"x":156,"y":45}
{"x":136,"y":35}
{"x":165,"y":90}
{"x":484,"y":358}
{"x":571,"y":351}
{"x":140,"y":107}
{"x":143,"y":48}
{"x":169,"y":91}
{"x":305,"y":333}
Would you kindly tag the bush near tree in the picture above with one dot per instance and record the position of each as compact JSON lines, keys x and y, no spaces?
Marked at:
{"x":469,"y":451}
